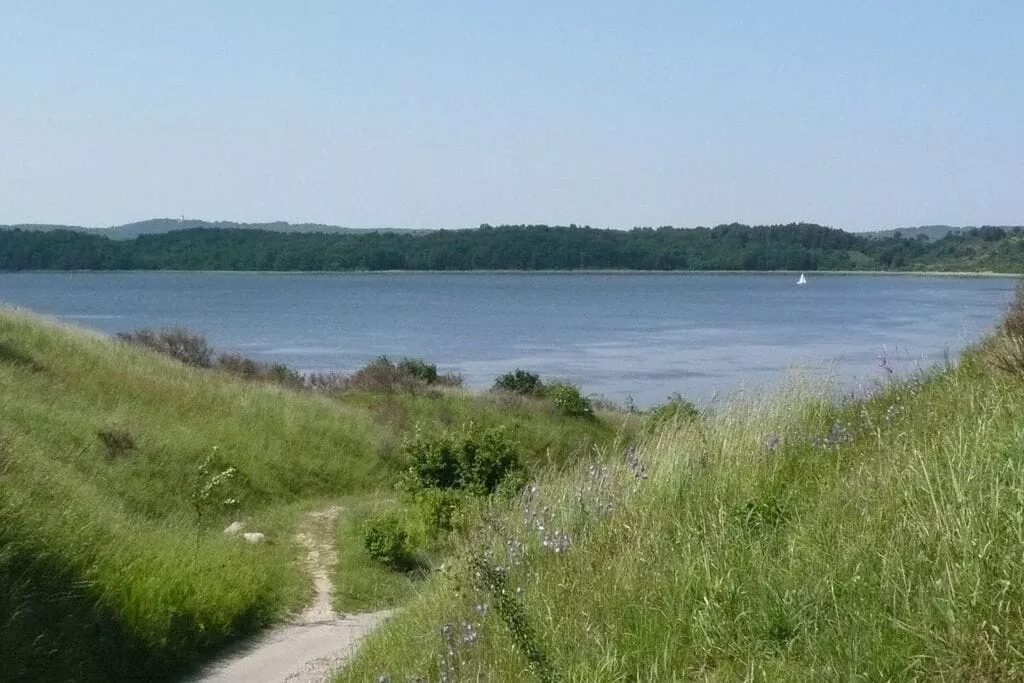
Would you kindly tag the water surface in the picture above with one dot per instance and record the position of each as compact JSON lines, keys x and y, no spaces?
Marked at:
{"x":621,"y":335}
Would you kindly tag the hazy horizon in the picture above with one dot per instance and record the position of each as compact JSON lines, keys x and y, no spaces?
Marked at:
{"x":188,"y":219}
{"x":402,"y":115}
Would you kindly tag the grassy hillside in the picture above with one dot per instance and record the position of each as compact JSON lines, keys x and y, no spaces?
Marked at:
{"x":119,"y":468}
{"x":791,"y":538}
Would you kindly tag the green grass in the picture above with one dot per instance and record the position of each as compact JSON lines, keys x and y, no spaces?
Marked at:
{"x":107,"y":572}
{"x":881,"y":539}
{"x":362,"y":584}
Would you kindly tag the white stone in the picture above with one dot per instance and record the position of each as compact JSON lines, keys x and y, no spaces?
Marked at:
{"x":254,"y":537}
{"x":235,"y":528}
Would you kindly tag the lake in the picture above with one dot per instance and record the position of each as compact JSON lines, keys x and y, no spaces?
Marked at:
{"x":636,"y":335}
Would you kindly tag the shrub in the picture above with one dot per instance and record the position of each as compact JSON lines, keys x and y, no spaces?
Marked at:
{"x":451,"y":379}
{"x":214,"y":490}
{"x":520,"y":382}
{"x":418,"y":368}
{"x":475,"y":460}
{"x":1006,"y":351}
{"x":1007,"y":354}
{"x":382,"y":374}
{"x":673,"y":412}
{"x":386,"y":540}
{"x":177,"y":342}
{"x":1013,"y":320}
{"x":569,"y":401}
{"x":116,"y":442}
{"x":437,"y":510}
{"x":279,"y":373}
{"x":236,"y":364}
{"x":246,"y":368}
{"x":327,"y":382}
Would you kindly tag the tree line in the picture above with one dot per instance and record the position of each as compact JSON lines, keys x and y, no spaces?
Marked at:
{"x":796,"y":246}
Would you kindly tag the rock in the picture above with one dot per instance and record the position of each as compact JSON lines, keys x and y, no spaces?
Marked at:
{"x":235,"y":528}
{"x":254,"y":537}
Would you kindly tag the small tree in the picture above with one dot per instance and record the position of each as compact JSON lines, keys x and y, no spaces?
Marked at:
{"x":211,"y":490}
{"x":520,"y":382}
{"x":569,"y":401}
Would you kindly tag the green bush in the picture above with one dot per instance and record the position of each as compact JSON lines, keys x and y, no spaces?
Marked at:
{"x":438,"y":510}
{"x":177,"y":342}
{"x":246,"y":368}
{"x":1013,"y":319}
{"x":674,"y":411}
{"x":520,"y":382}
{"x":1006,"y":350}
{"x":420,"y":369}
{"x":473,"y":459}
{"x":408,"y":374}
{"x":569,"y":401}
{"x":386,"y":540}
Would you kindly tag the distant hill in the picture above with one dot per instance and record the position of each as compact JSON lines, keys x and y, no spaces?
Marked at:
{"x":795,"y":247}
{"x":932,"y":232}
{"x":159,"y":226}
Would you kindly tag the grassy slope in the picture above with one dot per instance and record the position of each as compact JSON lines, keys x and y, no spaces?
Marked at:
{"x":104,"y":572}
{"x":881,"y":540}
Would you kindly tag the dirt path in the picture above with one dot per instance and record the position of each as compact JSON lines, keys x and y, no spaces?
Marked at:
{"x":315,"y":644}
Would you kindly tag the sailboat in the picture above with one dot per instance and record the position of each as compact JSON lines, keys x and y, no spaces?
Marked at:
{"x":802,"y":280}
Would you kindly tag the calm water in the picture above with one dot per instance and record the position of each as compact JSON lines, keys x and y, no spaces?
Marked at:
{"x":638,"y":335}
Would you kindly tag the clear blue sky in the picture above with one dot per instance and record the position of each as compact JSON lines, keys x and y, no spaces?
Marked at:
{"x":877,"y":113}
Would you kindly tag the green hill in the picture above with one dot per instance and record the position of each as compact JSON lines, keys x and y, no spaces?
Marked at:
{"x":119,"y":468}
{"x":794,"y":538}
{"x":159,"y":226}
{"x":794,"y":247}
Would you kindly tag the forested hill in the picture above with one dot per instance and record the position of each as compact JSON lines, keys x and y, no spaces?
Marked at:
{"x":156,"y":226}
{"x":801,"y":246}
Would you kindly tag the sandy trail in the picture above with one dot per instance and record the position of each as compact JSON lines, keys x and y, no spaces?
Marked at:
{"x":315,"y":644}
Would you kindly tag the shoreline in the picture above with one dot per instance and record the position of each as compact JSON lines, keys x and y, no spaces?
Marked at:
{"x":608,"y":271}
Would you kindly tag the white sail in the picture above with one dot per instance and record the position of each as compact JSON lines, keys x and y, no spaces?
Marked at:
{"x":802,"y":280}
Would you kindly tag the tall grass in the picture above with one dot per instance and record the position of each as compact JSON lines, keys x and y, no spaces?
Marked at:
{"x":785,"y":539}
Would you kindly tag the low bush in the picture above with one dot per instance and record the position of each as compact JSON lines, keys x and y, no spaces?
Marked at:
{"x":116,"y":442}
{"x":569,"y":401}
{"x":1013,"y":320}
{"x":1006,"y":350}
{"x":673,"y":412}
{"x":383,"y":374}
{"x":438,"y":511}
{"x":447,"y":471}
{"x":177,"y":342}
{"x":327,"y":382}
{"x":419,"y":368}
{"x":386,"y":540}
{"x":520,"y":382}
{"x":246,"y":368}
{"x":473,"y":459}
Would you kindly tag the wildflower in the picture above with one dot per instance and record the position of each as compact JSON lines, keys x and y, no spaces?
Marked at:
{"x":633,"y":463}
{"x":883,"y":362}
{"x":514,"y":551}
{"x":470,"y":634}
{"x":558,"y":542}
{"x":837,"y":435}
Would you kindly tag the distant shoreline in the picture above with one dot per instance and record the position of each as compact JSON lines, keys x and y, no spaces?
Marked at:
{"x":609,"y":271}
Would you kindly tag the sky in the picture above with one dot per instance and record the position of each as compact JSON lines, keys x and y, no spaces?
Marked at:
{"x":860,"y":115}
